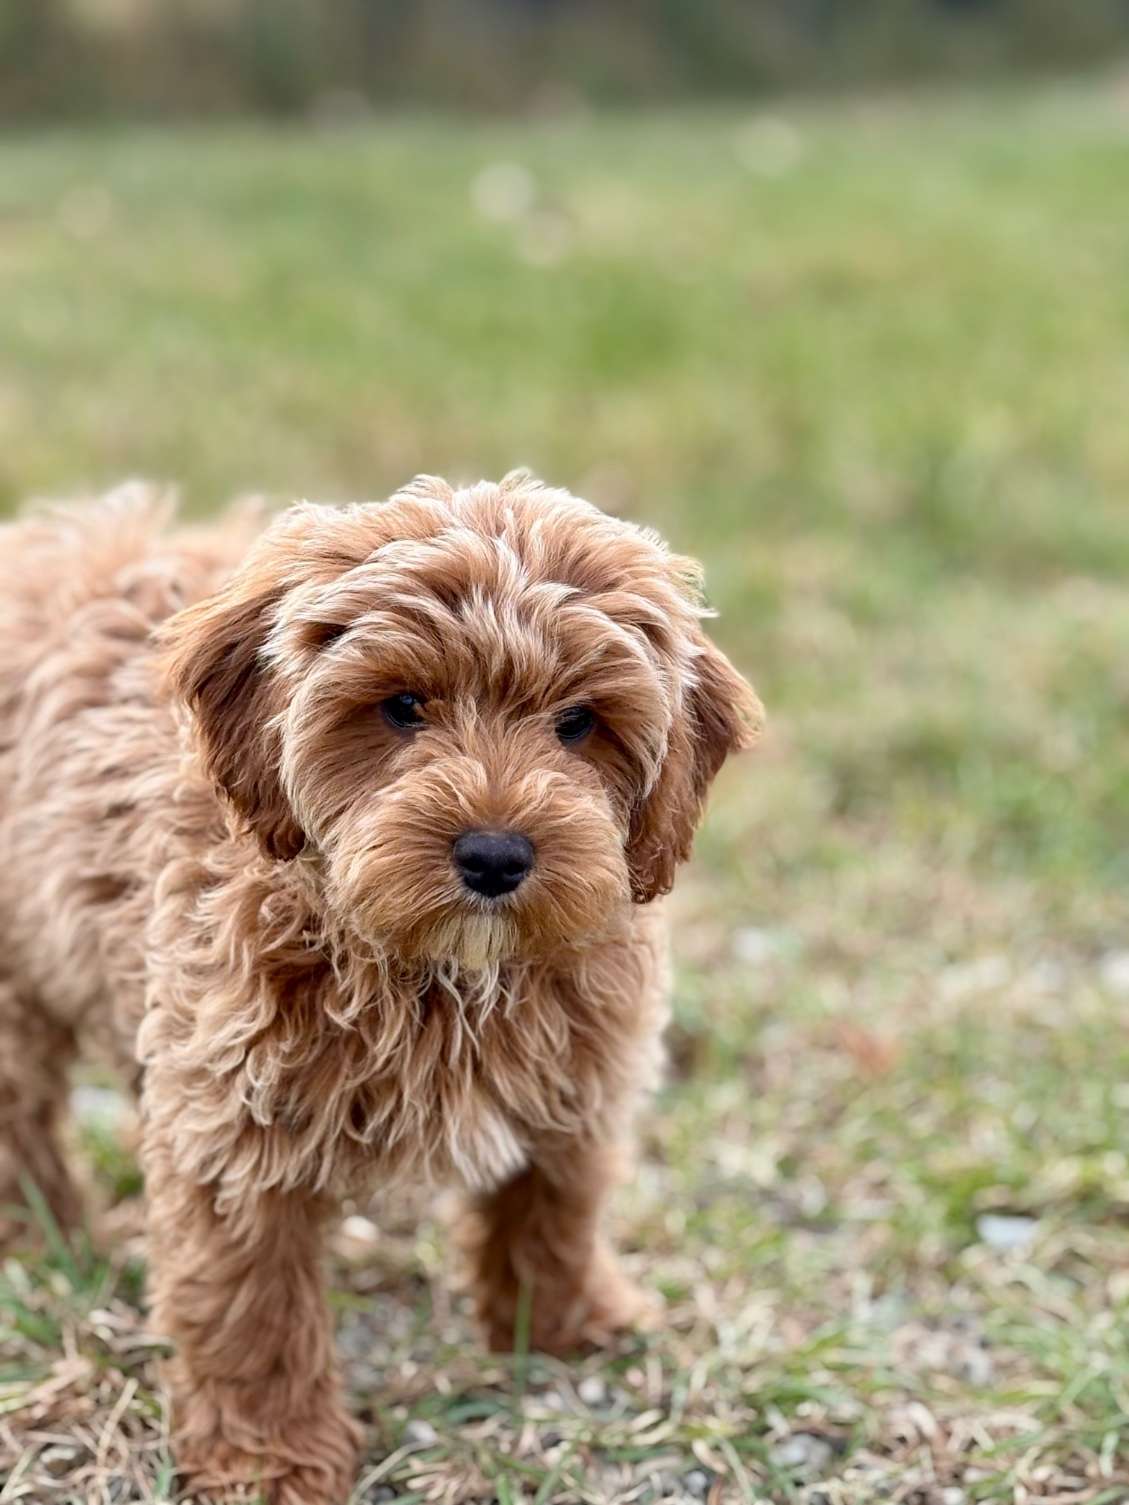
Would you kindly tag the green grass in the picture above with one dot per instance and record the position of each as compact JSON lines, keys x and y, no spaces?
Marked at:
{"x":870,"y":364}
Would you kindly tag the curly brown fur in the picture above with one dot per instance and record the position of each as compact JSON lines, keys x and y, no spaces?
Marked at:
{"x":220,"y":858}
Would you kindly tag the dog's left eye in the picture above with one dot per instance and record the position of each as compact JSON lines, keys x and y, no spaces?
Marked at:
{"x":574,"y":724}
{"x":404,"y":712}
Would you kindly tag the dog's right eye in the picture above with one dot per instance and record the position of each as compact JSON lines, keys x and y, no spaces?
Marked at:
{"x":404,"y":712}
{"x":574,"y":724}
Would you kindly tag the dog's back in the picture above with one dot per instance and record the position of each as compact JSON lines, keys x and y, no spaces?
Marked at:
{"x":82,"y":589}
{"x":106,"y":571}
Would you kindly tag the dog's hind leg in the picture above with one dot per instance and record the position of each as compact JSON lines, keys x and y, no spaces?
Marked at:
{"x":35,"y":1052}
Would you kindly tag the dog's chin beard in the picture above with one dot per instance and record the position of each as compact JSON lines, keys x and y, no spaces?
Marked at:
{"x":475,"y":940}
{"x":472,"y":936}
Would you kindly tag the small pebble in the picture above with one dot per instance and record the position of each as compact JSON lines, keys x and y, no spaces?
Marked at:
{"x":698,"y":1482}
{"x":1006,"y":1231}
{"x":592,"y":1390}
{"x":420,"y":1433}
{"x":802,"y":1454}
{"x":361,"y":1230}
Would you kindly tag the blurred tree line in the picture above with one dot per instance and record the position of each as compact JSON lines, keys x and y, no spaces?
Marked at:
{"x":80,"y":58}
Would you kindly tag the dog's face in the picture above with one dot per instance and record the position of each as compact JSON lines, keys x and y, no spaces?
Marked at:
{"x":488,"y":716}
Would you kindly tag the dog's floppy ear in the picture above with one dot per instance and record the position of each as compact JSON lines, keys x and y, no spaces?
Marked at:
{"x":214,"y":666}
{"x":721,"y":714}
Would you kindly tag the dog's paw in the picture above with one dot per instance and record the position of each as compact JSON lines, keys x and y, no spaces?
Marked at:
{"x":311,"y":1467}
{"x":566,"y":1318}
{"x":251,"y":1479}
{"x":609,"y":1310}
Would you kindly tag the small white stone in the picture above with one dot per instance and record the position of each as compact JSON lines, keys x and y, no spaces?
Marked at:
{"x":361,"y":1230}
{"x":1006,"y":1231}
{"x":802,"y":1454}
{"x":420,"y":1433}
{"x":592,"y":1390}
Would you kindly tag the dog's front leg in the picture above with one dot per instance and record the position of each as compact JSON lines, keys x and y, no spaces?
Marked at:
{"x":256,"y":1406}
{"x":538,"y":1238}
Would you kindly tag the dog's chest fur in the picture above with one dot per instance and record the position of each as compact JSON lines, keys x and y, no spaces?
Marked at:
{"x":293,"y":1066}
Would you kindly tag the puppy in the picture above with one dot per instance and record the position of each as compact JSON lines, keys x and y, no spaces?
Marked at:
{"x":344,"y":841}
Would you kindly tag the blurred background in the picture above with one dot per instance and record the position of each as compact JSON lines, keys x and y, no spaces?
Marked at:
{"x":836,"y":295}
{"x":288,"y":57}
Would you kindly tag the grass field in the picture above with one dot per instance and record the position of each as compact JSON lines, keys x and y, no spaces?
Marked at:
{"x":871,"y":363}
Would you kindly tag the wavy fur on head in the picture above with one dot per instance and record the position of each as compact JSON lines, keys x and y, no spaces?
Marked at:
{"x":221,"y":857}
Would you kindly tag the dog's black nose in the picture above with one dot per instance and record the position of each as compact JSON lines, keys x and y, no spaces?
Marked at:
{"x":492,"y":862}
